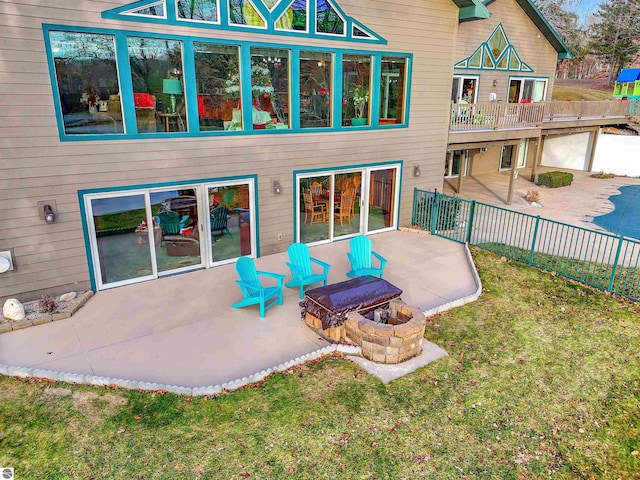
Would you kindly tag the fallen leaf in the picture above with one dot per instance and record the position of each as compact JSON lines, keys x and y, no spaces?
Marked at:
{"x":635,"y":453}
{"x":138,"y":417}
{"x":121,"y":430}
{"x":245,"y":475}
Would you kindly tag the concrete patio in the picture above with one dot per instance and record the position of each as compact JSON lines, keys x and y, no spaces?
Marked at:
{"x":182,"y":331}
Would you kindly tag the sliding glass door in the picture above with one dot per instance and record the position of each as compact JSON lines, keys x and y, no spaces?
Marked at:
{"x":340,"y":204}
{"x":143,"y":234}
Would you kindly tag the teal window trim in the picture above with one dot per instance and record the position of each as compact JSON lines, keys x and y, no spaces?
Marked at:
{"x":485,"y":50}
{"x":189,"y":75}
{"x":146,"y":186}
{"x":270,"y":17}
{"x":342,"y":168}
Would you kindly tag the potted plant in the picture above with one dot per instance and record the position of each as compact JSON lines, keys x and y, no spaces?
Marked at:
{"x":360,"y":99}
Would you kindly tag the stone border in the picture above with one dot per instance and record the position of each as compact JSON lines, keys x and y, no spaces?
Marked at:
{"x":213,"y":390}
{"x":11,"y":325}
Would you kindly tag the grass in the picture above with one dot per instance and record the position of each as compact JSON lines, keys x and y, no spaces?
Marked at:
{"x":542,"y":381}
{"x":570,"y":92}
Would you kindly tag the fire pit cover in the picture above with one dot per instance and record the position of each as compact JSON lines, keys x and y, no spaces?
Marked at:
{"x":332,"y":303}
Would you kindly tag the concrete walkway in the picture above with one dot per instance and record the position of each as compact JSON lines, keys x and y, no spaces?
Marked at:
{"x":182,"y":331}
{"x":575,"y":204}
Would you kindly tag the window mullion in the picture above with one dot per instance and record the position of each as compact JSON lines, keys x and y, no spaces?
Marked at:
{"x":245,"y":87}
{"x":375,"y":90}
{"x":190,"y":85}
{"x":294,"y":87}
{"x":126,"y":85}
{"x":337,"y":94}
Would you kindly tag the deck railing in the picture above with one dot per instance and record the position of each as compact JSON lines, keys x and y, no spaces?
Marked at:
{"x":605,"y":261}
{"x":500,"y":115}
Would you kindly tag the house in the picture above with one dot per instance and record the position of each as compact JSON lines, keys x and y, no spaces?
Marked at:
{"x":503,"y":118}
{"x":628,"y":84}
{"x":152,"y":138}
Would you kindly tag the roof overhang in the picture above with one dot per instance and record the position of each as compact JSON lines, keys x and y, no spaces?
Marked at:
{"x":471,"y":10}
{"x":544,"y":26}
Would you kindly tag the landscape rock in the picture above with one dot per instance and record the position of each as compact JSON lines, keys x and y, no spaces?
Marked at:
{"x":67,"y":297}
{"x":13,"y":310}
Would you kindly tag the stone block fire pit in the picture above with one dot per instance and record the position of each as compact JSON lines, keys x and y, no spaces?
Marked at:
{"x":366,"y":312}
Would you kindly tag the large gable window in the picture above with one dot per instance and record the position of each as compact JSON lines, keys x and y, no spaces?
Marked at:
{"x":87,"y":82}
{"x":122,"y":84}
{"x":156,"y":75}
{"x":198,"y":10}
{"x":218,"y":85}
{"x":356,"y":89}
{"x":270,"y":87}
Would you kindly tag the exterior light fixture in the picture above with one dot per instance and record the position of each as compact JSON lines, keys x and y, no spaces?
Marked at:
{"x":416,"y":170}
{"x":277,"y":187}
{"x":495,"y":83}
{"x":49,"y":214}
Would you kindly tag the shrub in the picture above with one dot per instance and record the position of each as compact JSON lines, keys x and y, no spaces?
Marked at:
{"x":555,"y":179}
{"x":47,"y":304}
{"x":602,"y":175}
{"x":448,"y":211}
{"x":533,"y":196}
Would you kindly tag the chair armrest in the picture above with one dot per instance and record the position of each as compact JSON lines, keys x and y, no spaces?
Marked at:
{"x":324,"y":265}
{"x":277,"y":276}
{"x":382,"y":260}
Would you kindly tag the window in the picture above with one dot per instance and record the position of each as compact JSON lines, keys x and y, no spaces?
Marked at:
{"x":527,"y":90}
{"x":316,"y":74}
{"x":218,"y":81}
{"x":392,"y":90}
{"x":197,"y":10}
{"x":156,"y":74}
{"x":87,"y":81}
{"x":296,"y":17}
{"x":166,"y":94}
{"x":270,"y":87}
{"x":356,"y":89}
{"x":244,"y":12}
{"x":328,"y":20}
{"x":464,"y":89}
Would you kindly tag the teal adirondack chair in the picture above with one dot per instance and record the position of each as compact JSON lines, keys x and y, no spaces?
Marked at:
{"x":252,"y":290}
{"x":301,"y":269}
{"x":361,"y":258}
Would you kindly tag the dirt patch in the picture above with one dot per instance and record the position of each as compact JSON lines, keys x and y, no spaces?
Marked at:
{"x":54,"y":393}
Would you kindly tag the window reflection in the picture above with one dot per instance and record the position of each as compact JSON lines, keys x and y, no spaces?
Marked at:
{"x":316,"y":72}
{"x":356,"y":81}
{"x":158,"y":90}
{"x":87,"y":79}
{"x":270,"y":88}
{"x":392,"y":90}
{"x":218,"y":81}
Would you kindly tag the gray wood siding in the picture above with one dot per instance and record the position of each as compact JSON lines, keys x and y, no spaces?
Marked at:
{"x":35,"y":165}
{"x":532,"y":47}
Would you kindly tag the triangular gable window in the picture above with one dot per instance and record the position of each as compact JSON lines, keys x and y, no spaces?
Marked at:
{"x":474,"y":60}
{"x":300,"y":17}
{"x":495,"y":53}
{"x":244,"y":12}
{"x":295,"y":17}
{"x":328,"y":19}
{"x":198,"y":10}
{"x":156,"y":9}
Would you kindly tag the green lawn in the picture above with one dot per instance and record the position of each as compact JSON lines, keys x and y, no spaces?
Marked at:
{"x":566,"y":92}
{"x":542,"y":381}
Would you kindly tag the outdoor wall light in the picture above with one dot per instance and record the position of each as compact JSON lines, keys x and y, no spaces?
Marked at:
{"x":416,"y":170}
{"x":495,"y":83}
{"x":277,"y":187}
{"x":49,"y":214}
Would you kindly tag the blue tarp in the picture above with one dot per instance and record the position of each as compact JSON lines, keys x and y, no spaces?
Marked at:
{"x":624,"y":219}
{"x":332,"y":304}
{"x":629,"y":75}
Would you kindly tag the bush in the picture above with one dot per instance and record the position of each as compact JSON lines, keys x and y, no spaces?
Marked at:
{"x":602,"y":175}
{"x":448,"y":211}
{"x":555,"y":179}
{"x":47,"y":304}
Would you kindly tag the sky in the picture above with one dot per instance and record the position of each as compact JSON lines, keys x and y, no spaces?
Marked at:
{"x":587,"y":7}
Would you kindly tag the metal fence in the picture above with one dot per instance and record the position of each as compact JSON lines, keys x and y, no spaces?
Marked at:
{"x":602,"y":260}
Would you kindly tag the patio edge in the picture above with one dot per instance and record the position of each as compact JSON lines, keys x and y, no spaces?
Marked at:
{"x":214,"y":390}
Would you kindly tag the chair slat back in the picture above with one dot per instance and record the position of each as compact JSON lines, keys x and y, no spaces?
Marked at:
{"x":219,"y":217}
{"x":169,"y":222}
{"x":300,"y":257}
{"x":361,"y":249}
{"x":316,"y":188}
{"x":346,"y":202}
{"x":308,"y":202}
{"x":246,"y":269}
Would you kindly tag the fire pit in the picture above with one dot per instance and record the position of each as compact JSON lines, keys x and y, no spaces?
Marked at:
{"x":366,"y":312}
